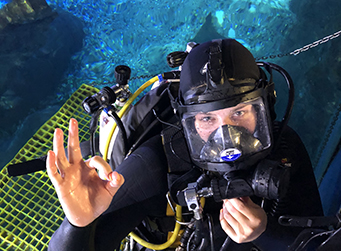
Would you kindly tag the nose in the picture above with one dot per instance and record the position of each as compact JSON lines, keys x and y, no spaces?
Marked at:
{"x":226,"y":120}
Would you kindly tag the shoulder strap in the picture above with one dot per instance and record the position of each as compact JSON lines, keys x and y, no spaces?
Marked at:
{"x":143,"y":121}
{"x":181,"y":171}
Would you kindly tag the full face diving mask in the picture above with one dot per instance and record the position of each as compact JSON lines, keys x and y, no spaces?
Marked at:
{"x":227,"y":135}
{"x":222,"y":76}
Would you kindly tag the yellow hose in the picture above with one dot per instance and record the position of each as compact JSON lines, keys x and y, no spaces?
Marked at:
{"x":105,"y":157}
{"x":124,"y":110}
{"x":170,"y":241}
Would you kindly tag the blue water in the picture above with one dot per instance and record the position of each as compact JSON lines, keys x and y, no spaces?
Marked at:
{"x":141,"y":33}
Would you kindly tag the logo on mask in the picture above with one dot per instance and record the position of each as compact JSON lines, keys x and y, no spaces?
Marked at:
{"x":230,"y":154}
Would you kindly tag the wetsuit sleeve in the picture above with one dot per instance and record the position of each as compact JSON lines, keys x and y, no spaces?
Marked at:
{"x":69,"y":237}
{"x":142,"y":194}
{"x":302,"y":198}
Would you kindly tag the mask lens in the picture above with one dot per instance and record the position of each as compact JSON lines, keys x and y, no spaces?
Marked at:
{"x":228,"y":143}
{"x":243,"y":115}
{"x":227,"y":134}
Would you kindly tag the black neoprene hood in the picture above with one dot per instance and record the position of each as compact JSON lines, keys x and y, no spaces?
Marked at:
{"x":237,"y":72}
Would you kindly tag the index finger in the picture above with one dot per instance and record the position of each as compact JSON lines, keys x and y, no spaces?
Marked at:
{"x":51,"y":168}
{"x":74,"y":150}
{"x":243,"y":206}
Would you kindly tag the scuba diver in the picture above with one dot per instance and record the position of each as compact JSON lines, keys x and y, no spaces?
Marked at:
{"x":225,"y":160}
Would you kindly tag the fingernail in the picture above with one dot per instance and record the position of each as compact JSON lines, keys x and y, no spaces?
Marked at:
{"x":57,"y":134}
{"x":110,"y":176}
{"x":72,"y":122}
{"x":114,"y":178}
{"x":114,"y":183}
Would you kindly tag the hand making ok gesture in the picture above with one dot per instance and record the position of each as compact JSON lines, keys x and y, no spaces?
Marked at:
{"x":82,"y":193}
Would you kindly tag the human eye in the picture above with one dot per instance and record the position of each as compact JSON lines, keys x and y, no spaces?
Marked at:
{"x":205,"y":120}
{"x":238,"y":114}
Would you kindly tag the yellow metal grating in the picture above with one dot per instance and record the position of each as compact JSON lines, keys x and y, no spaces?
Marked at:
{"x":30,"y":210}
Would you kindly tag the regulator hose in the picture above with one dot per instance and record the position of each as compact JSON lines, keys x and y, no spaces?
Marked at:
{"x":124,"y":110}
{"x":170,"y":241}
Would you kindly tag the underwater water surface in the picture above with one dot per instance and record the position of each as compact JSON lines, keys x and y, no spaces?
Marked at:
{"x":140,"y":34}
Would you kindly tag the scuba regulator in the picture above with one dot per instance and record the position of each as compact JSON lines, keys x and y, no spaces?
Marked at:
{"x":109,"y":100}
{"x":110,"y":95}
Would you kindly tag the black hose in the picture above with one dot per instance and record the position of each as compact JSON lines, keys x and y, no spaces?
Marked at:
{"x":92,"y":130}
{"x":201,"y":238}
{"x":291,"y":95}
{"x":141,"y":139}
{"x":226,"y":244}
{"x":122,"y":129}
{"x":92,"y":144}
{"x":291,"y":89}
{"x":203,"y":245}
{"x":210,"y":226}
{"x":189,"y":241}
{"x":151,"y":126}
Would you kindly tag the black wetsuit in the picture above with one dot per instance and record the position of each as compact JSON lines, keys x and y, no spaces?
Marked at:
{"x":145,"y":187}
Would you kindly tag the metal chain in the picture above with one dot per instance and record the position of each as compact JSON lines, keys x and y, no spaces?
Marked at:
{"x":304,"y":48}
{"x":143,"y":76}
{"x":295,"y":52}
{"x":94,"y":84}
{"x":316,"y":43}
{"x":273,"y":56}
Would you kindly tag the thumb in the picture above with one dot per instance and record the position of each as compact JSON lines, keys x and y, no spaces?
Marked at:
{"x":116,"y":180}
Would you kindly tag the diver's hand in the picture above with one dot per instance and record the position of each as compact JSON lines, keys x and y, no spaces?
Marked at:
{"x":242,"y":220}
{"x":82,"y":194}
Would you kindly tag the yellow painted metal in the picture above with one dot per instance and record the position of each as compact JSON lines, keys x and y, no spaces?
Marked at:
{"x":29,"y":208}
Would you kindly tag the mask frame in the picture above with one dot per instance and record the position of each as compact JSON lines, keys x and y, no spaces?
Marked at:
{"x":263,"y":88}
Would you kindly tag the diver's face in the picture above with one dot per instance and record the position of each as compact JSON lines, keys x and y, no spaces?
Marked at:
{"x":242,"y":115}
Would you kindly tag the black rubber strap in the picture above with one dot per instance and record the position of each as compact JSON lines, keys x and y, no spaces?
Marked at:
{"x":39,"y":164}
{"x":30,"y":166}
{"x":313,"y":222}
